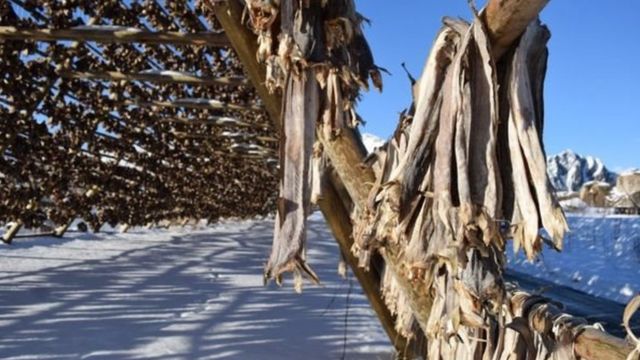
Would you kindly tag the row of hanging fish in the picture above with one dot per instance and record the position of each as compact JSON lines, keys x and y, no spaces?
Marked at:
{"x":465,"y":171}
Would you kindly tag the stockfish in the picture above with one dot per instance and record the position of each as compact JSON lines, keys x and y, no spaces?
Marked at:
{"x":316,"y":54}
{"x":288,"y":252}
{"x":469,"y":158}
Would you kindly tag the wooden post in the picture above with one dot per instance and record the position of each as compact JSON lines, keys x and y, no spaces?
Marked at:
{"x":8,"y":236}
{"x":506,"y":20}
{"x":60,"y":230}
{"x":97,"y":228}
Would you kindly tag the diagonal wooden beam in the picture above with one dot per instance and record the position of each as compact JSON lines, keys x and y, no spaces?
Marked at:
{"x":114,"y":35}
{"x":162,"y":77}
{"x":334,"y":208}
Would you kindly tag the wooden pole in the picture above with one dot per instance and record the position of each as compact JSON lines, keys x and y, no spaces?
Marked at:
{"x":62,"y":229}
{"x":114,"y":35}
{"x":506,"y":20}
{"x":8,"y":236}
{"x":203,"y":104}
{"x":162,"y":77}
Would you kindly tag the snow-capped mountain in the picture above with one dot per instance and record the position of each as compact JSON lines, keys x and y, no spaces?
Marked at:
{"x":568,"y":171}
{"x":371,"y":142}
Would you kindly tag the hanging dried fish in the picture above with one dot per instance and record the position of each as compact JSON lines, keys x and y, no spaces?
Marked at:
{"x":441,"y":195}
{"x":320,"y":48}
{"x":300,"y":113}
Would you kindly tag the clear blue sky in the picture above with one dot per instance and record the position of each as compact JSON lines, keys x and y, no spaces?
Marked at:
{"x":592,"y":91}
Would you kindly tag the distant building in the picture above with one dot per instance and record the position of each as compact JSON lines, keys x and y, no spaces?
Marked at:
{"x":625,"y":197}
{"x":595,"y":193}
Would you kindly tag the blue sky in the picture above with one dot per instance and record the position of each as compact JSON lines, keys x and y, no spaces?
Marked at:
{"x":592,"y":91}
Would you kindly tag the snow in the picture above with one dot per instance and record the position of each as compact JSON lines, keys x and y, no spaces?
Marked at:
{"x":601,"y":256}
{"x":234,"y":134}
{"x":568,"y":171}
{"x":197,"y":292}
{"x":223,"y":120}
{"x":372,"y":142}
{"x":169,"y":73}
{"x":193,"y":293}
{"x":107,"y":28}
{"x":200,"y":101}
{"x":628,"y":172}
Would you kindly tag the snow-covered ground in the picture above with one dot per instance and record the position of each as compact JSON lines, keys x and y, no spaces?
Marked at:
{"x":601,"y":256}
{"x":177,"y":294}
{"x":197,"y":292}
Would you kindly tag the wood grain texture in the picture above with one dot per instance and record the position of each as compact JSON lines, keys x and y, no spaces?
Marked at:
{"x":507,"y":19}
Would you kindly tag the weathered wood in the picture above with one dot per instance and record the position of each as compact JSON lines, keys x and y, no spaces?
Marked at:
{"x":593,"y":344}
{"x":115,"y":35}
{"x":163,"y":77}
{"x":507,"y":19}
{"x":229,"y":14}
{"x":62,"y":229}
{"x":8,"y":236}
{"x":347,"y":152}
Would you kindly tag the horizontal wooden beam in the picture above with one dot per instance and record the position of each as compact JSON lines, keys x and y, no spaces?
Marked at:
{"x":230,"y":14}
{"x":203,"y":104}
{"x":161,"y":77}
{"x":211,"y":120}
{"x":115,"y":35}
{"x":506,"y":20}
{"x":188,"y":135}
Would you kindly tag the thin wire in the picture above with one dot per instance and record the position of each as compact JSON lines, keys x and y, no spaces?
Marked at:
{"x":346,"y":318}
{"x":333,"y":299}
